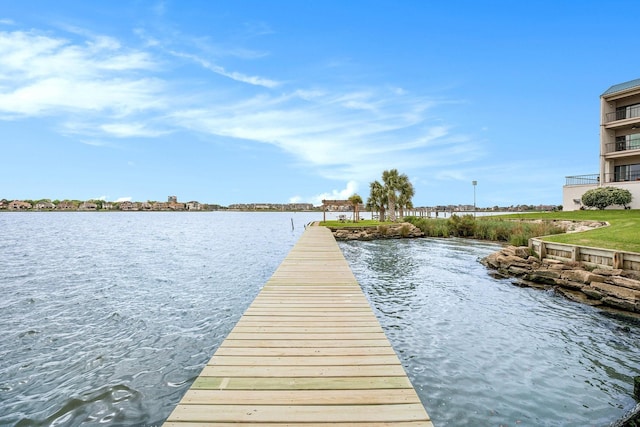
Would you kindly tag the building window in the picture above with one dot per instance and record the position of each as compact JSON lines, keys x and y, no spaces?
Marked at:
{"x":627,"y":173}
{"x":628,"y":111}
{"x":628,"y":142}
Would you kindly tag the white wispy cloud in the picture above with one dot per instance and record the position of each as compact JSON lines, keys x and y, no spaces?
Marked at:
{"x":128,"y":130}
{"x":234,"y":75}
{"x":101,"y":89}
{"x":324,"y":130}
{"x":42,"y":75}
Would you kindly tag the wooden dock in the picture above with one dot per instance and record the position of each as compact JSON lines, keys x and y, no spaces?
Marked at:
{"x":308,"y":352}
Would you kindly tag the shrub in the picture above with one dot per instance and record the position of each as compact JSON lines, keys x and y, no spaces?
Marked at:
{"x":430,"y":227}
{"x":604,"y":197}
{"x":518,"y":240}
{"x":463,"y":226}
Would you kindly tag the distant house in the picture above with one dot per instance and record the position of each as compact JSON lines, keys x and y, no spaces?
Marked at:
{"x":174,"y":206}
{"x":193,"y":206}
{"x":160,"y":206}
{"x":337,"y":205}
{"x":128,"y":206}
{"x":172,"y":199}
{"x":619,"y":147}
{"x":66,"y":205}
{"x":300,"y":206}
{"x":44,"y":206}
{"x":19,"y":205}
{"x":146,"y":206}
{"x":88,"y":206}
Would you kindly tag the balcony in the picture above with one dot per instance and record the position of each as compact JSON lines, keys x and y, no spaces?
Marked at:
{"x":629,"y":175}
{"x":614,"y":147}
{"x":629,"y":112}
{"x":594,"y":179}
{"x":582,"y":179}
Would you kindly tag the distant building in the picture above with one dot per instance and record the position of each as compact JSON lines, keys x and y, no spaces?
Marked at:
{"x":88,"y":206}
{"x":128,"y":206}
{"x":619,"y":147}
{"x":19,"y":205}
{"x":193,"y":206}
{"x":66,"y":205}
{"x":44,"y":206}
{"x":172,"y":199}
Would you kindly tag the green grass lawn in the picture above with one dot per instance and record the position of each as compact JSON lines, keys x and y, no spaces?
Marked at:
{"x":623,"y":234}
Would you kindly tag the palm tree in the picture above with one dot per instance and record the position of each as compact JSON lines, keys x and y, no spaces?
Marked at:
{"x":404,"y":199}
{"x":377,"y":199}
{"x":355,"y":201}
{"x":398,"y":189}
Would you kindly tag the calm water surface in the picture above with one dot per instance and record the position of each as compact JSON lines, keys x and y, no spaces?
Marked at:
{"x":106,"y":318}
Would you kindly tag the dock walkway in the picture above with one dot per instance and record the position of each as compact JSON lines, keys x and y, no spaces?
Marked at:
{"x":308,"y":352}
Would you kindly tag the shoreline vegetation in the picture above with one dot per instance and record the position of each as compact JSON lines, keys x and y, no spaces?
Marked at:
{"x":621,"y":233}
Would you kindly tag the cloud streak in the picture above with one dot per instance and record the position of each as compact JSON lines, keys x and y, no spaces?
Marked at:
{"x":101,"y":89}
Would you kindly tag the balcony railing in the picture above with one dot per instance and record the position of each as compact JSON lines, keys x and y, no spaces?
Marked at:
{"x":612,"y":147}
{"x":582,"y":179}
{"x":594,"y":179}
{"x":627,"y":113}
{"x":623,"y":177}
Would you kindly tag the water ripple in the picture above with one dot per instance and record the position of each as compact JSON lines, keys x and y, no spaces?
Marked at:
{"x":483,"y":352}
{"x":107,"y":318}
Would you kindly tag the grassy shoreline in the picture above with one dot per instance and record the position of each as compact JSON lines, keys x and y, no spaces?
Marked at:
{"x":623,"y":232}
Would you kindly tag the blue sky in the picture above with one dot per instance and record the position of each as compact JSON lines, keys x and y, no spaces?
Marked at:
{"x":277,"y":101}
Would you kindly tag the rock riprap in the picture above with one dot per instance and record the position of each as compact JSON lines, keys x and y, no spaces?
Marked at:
{"x":386,"y":231}
{"x":619,"y":289}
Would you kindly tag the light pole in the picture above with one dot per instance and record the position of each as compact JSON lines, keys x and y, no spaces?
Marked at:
{"x":474,"y":183}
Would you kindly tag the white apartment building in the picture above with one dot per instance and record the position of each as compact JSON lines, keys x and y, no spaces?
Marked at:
{"x":619,"y":147}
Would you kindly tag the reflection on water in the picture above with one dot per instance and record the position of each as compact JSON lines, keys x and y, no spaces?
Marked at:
{"x":483,"y":352}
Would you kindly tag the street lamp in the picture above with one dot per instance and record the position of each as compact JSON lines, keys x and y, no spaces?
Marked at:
{"x":474,"y":183}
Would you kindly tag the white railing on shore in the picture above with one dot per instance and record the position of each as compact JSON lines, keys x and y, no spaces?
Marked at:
{"x":596,"y":257}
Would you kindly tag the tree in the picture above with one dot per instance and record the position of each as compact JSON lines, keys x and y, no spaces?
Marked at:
{"x":404,"y":199}
{"x":604,"y":197}
{"x":377,"y":199}
{"x":398,"y":189}
{"x":355,"y":201}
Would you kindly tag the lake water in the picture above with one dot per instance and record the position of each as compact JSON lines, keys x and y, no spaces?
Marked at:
{"x":106,"y":318}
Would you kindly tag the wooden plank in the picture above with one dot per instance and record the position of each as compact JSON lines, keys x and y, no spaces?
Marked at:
{"x":304,"y":322}
{"x":311,"y":320}
{"x":303,"y":371}
{"x":308,"y":352}
{"x":299,"y":413}
{"x":301,"y":397}
{"x":301,"y":329}
{"x":304,"y":336}
{"x":314,"y":424}
{"x":301,"y":383}
{"x":305,"y":343}
{"x":302,"y":351}
{"x":301,"y":360}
